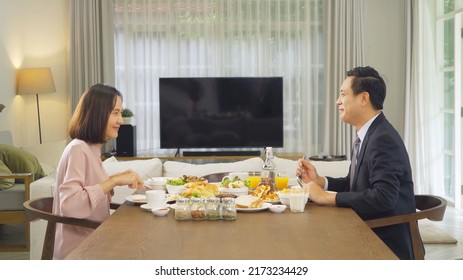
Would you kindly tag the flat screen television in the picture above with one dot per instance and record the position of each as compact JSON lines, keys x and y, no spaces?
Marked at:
{"x":221,"y":112}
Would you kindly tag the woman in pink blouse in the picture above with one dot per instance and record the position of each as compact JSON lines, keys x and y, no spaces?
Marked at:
{"x":84,"y":189}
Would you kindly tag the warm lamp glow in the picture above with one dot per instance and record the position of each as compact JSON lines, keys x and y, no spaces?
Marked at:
{"x":35,"y":81}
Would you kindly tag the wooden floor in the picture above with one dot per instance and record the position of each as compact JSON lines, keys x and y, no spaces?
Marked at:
{"x":452,"y":225}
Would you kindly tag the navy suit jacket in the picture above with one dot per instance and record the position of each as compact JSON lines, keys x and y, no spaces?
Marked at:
{"x":383,"y":185}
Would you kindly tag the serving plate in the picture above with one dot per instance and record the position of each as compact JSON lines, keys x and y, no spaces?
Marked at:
{"x":264,"y":207}
{"x":137,"y":198}
{"x":272,"y":201}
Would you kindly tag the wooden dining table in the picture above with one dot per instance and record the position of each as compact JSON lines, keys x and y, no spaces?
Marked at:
{"x":318,"y":233}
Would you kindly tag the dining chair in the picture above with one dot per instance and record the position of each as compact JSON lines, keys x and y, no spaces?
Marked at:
{"x":430,"y":207}
{"x":41,"y":208}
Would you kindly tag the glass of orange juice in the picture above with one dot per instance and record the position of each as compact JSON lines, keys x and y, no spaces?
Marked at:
{"x":281,"y":180}
{"x":254,"y":179}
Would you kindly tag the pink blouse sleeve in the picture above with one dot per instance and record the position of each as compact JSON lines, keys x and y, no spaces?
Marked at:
{"x":80,"y":194}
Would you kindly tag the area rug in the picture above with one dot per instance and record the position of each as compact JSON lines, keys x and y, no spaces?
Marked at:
{"x":431,"y":234}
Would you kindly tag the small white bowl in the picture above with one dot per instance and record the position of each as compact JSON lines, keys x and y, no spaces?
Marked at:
{"x":235,"y":191}
{"x":173,"y":189}
{"x":277,"y":208}
{"x":160,"y":211}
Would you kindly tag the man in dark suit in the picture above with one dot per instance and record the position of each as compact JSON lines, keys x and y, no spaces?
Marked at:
{"x":381,"y":184}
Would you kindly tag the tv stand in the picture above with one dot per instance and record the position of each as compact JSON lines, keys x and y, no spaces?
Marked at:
{"x":220,"y":153}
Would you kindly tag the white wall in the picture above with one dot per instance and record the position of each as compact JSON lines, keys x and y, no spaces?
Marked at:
{"x":34,"y":34}
{"x":385,"y":50}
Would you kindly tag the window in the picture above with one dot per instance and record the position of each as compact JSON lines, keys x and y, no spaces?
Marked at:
{"x":446,"y":11}
{"x":200,"y":38}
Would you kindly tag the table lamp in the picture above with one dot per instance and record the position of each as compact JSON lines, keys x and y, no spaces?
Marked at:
{"x":35,"y":81}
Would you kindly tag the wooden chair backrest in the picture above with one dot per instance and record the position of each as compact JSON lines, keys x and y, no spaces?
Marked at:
{"x":41,"y":208}
{"x":430,"y":207}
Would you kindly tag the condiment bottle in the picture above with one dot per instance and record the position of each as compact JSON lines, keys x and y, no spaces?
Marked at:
{"x":182,"y":211}
{"x":268,"y":169}
{"x":213,"y":208}
{"x":198,"y":208}
{"x":228,"y":211}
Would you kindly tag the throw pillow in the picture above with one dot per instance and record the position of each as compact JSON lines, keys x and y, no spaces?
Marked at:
{"x":177,"y":169}
{"x":5,"y":183}
{"x":147,"y":168}
{"x":20,"y":161}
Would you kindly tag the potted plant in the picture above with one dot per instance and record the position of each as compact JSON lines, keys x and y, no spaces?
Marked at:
{"x":127,"y":116}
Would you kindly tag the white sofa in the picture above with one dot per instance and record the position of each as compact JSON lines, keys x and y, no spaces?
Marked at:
{"x":151,"y":168}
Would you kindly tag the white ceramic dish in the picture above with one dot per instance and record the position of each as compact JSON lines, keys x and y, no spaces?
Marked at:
{"x":160,"y":211}
{"x":236,"y":191}
{"x":149,"y":208}
{"x":278,"y":208}
{"x":173,"y":189}
{"x":264,"y":207}
{"x":157,"y":183}
{"x":137,"y":198}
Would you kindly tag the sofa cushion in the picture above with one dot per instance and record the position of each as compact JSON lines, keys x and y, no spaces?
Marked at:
{"x":20,"y":161}
{"x":177,"y":169}
{"x":147,"y":168}
{"x":5,"y":183}
{"x":12,"y":198}
{"x":48,"y":154}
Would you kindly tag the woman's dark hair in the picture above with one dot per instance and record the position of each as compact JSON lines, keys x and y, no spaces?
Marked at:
{"x":88,"y":123}
{"x":368,"y":79}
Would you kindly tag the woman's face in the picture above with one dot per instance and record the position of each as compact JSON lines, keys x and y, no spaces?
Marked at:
{"x":114,"y":121}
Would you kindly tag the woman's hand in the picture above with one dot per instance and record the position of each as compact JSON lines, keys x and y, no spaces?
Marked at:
{"x":128,"y":177}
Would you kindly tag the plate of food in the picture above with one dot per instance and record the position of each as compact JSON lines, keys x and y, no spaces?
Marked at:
{"x":234,"y":186}
{"x":272,"y":201}
{"x":137,"y":198}
{"x":264,"y":207}
{"x":250,"y":203}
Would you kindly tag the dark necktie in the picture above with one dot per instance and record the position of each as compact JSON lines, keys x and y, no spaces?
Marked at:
{"x":354,"y":161}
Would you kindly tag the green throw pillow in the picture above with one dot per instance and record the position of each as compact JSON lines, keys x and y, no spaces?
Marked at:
{"x":5,"y":183}
{"x":20,"y":161}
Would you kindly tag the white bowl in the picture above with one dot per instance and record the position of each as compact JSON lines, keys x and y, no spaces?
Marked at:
{"x":173,"y":189}
{"x":155,"y":185}
{"x":235,"y":191}
{"x":277,"y":208}
{"x":160,"y":211}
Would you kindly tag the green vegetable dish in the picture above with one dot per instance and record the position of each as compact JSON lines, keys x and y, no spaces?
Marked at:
{"x":235,"y":183}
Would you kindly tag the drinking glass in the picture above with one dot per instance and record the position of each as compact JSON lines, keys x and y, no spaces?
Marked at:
{"x":281,"y":180}
{"x":297,"y":201}
{"x":254,"y":179}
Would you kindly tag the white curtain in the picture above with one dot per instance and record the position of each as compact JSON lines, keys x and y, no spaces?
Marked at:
{"x":344,"y":44}
{"x":424,"y":102}
{"x":91,"y":58}
{"x":204,"y":38}
{"x":91,"y":46}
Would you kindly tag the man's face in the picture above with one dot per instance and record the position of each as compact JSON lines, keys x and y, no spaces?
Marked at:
{"x":348,"y":103}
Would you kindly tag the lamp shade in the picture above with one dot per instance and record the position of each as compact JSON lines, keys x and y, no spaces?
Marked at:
{"x":35,"y":81}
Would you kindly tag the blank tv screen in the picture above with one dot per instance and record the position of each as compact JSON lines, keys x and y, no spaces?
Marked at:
{"x":221,"y":112}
